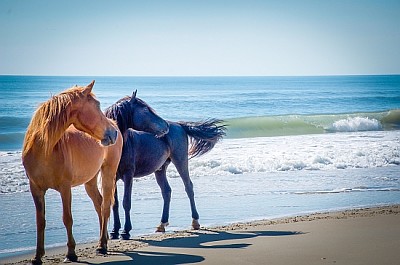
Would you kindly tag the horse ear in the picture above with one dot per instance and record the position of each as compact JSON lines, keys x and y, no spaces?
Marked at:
{"x":88,"y":89}
{"x":133,"y":98}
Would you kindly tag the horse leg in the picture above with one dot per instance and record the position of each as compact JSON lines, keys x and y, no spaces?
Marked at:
{"x":126,"y":203}
{"x":117,"y":222}
{"x":183,"y":170}
{"x":161,"y":177}
{"x":93,"y":191}
{"x":66,"y":198}
{"x":108,"y":188}
{"x":38,"y":199}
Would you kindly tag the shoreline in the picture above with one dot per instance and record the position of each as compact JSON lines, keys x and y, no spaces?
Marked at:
{"x":257,"y":242}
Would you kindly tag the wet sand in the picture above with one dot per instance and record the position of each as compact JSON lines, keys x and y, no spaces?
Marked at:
{"x":359,"y":236}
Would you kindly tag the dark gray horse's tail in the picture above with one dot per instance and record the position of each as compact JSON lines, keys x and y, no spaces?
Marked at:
{"x":203,"y":135}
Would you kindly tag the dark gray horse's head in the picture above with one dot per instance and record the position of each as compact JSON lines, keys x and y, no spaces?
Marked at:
{"x":132,"y":112}
{"x":144,"y":118}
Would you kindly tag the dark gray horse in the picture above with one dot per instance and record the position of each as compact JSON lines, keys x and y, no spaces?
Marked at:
{"x":150,"y":144}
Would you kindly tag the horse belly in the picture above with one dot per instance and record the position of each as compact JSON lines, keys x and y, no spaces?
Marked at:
{"x":44,"y":172}
{"x":146,"y":165}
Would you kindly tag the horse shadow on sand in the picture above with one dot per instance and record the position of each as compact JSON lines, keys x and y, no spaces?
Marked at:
{"x":204,"y":239}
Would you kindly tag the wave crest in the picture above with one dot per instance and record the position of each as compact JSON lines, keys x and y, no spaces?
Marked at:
{"x":285,"y":125}
{"x":356,"y":124}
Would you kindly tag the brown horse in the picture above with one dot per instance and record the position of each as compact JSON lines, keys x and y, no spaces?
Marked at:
{"x":67,"y":143}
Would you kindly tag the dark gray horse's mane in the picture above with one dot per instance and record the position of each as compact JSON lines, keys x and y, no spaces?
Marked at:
{"x":120,"y":112}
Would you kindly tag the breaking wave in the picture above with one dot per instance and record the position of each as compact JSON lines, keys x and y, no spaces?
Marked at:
{"x":286,"y":125}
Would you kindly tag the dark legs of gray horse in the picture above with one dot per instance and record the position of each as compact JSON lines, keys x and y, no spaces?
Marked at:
{"x":117,"y":222}
{"x":184,"y":172}
{"x":162,"y":181}
{"x":126,"y":203}
{"x":161,"y":177}
{"x":182,"y":167}
{"x":127,"y":207}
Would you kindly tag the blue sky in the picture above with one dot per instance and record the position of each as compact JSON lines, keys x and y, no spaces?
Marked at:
{"x":196,"y":38}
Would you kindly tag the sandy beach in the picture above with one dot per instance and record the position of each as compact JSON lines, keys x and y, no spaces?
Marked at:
{"x":359,"y":236}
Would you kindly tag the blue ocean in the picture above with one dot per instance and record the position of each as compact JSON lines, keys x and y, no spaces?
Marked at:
{"x":294,"y":145}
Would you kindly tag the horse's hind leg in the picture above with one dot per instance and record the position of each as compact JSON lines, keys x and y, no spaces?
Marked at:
{"x":93,"y":191}
{"x":66,"y":198}
{"x":182,"y":167}
{"x":38,"y":198}
{"x":161,"y":177}
{"x":117,"y":222}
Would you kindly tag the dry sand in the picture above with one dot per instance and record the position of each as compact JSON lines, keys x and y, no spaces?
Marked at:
{"x":361,"y":236}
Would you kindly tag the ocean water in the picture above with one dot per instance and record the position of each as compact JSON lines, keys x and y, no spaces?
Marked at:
{"x":294,"y":145}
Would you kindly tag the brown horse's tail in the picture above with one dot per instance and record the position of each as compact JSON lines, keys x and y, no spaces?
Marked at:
{"x":203,"y":135}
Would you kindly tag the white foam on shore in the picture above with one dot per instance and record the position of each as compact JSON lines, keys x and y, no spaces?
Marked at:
{"x":264,"y":154}
{"x":306,"y":152}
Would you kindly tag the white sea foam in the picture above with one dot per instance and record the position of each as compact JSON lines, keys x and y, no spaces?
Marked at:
{"x":12,"y":174}
{"x":269,"y":154}
{"x":356,"y":124}
{"x":308,"y":152}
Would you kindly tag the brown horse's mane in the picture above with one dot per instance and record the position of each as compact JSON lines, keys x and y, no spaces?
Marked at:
{"x":48,"y":122}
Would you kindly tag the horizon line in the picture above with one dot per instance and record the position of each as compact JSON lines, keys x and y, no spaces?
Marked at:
{"x":317,"y":75}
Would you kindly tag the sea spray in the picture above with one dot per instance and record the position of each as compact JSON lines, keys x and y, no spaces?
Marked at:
{"x":356,"y":124}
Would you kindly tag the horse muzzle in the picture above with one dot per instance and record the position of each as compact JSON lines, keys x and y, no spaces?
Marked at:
{"x":162,"y":132}
{"x":110,"y":137}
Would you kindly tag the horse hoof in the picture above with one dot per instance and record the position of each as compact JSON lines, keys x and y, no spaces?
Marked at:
{"x":101,"y":250}
{"x":71,"y":258}
{"x":114,"y":235}
{"x":125,"y":235}
{"x":195,"y":224}
{"x":161,"y":227}
{"x":36,"y":261}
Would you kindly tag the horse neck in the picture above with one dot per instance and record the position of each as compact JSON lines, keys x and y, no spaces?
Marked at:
{"x":123,"y":115}
{"x":124,"y":119}
{"x":57,"y":137}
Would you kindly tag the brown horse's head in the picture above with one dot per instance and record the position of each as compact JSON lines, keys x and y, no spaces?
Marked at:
{"x":75,"y":106}
{"x":87,"y":116}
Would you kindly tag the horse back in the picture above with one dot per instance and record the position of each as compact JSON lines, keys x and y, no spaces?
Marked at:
{"x":143,"y":153}
{"x":177,"y":140}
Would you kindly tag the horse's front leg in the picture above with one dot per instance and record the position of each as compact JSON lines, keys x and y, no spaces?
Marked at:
{"x":108,"y":188}
{"x":166,"y":191}
{"x":117,"y":222}
{"x":126,"y":203}
{"x":66,"y":198}
{"x":38,"y":199}
{"x":93,"y":191}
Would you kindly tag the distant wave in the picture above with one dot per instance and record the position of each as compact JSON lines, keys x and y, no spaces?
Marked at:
{"x":355,"y":124}
{"x":11,"y":141}
{"x":286,"y":125}
{"x":347,"y":190}
{"x":12,"y":132}
{"x":13,"y":129}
